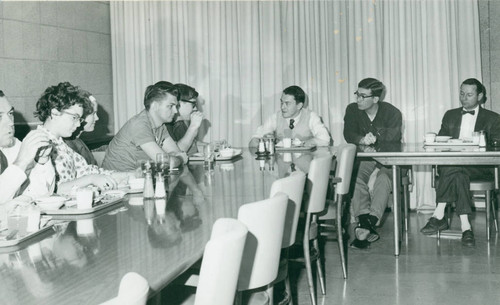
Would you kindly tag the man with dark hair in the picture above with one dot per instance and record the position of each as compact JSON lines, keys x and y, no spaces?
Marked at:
{"x":185,"y":129}
{"x":19,"y":173}
{"x":301,"y":123}
{"x":145,"y":135}
{"x":369,"y":121}
{"x":454,"y":181}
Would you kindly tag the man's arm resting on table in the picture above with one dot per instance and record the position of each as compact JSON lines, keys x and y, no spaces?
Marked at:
{"x":170,"y":146}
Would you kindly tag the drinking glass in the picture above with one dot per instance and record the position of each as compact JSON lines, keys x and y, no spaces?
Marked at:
{"x":162,"y":163}
{"x":144,"y":166}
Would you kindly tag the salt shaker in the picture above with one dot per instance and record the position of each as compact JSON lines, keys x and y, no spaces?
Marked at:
{"x":149,"y":191}
{"x":262,"y":146}
{"x":270,"y":146}
{"x":482,"y":138}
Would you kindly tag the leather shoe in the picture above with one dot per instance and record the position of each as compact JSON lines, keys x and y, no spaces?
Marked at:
{"x":434,"y":225}
{"x":468,"y":238}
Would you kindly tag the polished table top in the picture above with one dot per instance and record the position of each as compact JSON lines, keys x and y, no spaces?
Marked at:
{"x":83,"y":261}
{"x":418,"y":154}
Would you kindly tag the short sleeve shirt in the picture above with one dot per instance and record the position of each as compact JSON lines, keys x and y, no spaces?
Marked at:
{"x":125,"y":149}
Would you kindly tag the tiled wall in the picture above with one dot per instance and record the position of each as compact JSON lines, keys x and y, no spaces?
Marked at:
{"x":44,"y":43}
{"x":489,"y":11}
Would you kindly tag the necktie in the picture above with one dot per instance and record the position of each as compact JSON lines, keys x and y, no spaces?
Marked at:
{"x":468,"y":112}
{"x":291,"y":123}
{"x":3,"y":162}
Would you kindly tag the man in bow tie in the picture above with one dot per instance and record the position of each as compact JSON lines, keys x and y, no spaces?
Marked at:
{"x":294,"y":120}
{"x":454,"y":181}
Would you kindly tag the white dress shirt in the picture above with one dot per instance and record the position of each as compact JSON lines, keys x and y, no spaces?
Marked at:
{"x":468,"y":124}
{"x":318,"y":129}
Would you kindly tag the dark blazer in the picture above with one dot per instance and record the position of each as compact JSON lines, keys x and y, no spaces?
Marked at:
{"x":487,"y":120}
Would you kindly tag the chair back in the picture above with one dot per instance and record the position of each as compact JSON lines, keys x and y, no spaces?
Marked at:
{"x":345,"y":162}
{"x":221,"y":263}
{"x":265,"y":221}
{"x":293,"y":186}
{"x":317,"y":183}
{"x":133,"y":291}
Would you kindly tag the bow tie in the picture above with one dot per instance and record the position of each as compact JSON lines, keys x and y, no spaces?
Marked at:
{"x":291,"y":123}
{"x":468,"y":112}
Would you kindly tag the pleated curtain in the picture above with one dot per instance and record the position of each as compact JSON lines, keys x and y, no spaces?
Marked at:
{"x":240,"y":55}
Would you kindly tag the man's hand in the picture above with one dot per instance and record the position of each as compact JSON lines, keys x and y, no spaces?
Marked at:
{"x":196,"y":119}
{"x":368,"y":139}
{"x":29,"y":147}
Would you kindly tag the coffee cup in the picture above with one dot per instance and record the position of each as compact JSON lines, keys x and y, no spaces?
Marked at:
{"x":430,"y":137}
{"x":84,"y":198}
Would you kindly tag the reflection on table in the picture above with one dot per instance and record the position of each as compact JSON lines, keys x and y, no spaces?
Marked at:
{"x":82,"y":261}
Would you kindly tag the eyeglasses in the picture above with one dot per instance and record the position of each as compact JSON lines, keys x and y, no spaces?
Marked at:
{"x":361,"y":96}
{"x":76,"y":117}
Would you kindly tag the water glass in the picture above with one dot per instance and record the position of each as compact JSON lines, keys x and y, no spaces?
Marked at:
{"x":162,"y":163}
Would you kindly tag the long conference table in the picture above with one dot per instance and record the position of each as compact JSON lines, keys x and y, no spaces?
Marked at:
{"x":82,"y":260}
{"x":397,"y":155}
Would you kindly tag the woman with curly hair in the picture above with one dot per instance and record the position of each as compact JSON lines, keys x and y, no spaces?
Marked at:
{"x":61,"y":109}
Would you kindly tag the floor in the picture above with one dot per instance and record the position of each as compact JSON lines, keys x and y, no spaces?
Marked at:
{"x":426,"y":272}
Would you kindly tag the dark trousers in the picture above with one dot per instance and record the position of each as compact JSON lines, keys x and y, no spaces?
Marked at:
{"x":454,"y":185}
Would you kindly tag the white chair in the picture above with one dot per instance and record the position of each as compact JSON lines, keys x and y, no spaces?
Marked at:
{"x":293,"y":186}
{"x":265,"y":221}
{"x":221,"y":264}
{"x":133,"y":291}
{"x":315,"y":197}
{"x":342,"y":180}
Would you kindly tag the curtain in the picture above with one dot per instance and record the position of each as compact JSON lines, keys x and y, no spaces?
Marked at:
{"x":240,"y":55}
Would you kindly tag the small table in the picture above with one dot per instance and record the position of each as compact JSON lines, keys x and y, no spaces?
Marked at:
{"x":396,"y":154}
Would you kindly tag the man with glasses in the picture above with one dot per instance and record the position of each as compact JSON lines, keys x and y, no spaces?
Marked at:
{"x":295,"y":121}
{"x":184,"y":130}
{"x":145,"y":135}
{"x":454,"y":181}
{"x":19,"y":173}
{"x":367,"y":122}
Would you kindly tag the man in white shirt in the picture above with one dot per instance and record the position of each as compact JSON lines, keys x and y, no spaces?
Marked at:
{"x":295,"y":120}
{"x":17,"y":159}
{"x":454,"y":181}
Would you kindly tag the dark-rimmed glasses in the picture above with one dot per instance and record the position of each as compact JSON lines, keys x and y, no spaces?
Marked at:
{"x":76,"y":117}
{"x":361,"y":96}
